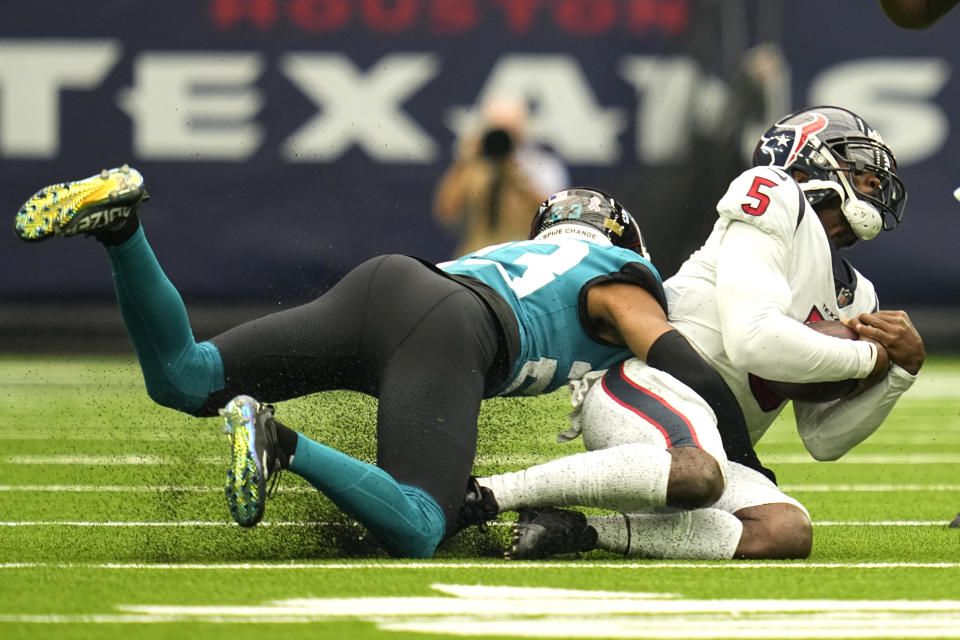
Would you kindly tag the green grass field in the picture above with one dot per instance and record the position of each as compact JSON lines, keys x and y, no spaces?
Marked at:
{"x":114,"y":525}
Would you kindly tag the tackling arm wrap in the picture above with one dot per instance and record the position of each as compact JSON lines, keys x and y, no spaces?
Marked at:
{"x":673,"y":354}
{"x":829,"y":430}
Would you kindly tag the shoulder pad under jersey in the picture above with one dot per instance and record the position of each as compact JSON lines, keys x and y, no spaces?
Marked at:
{"x":765,"y":197}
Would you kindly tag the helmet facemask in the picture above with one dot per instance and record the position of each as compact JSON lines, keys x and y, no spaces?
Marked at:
{"x":841,"y":159}
{"x":833,"y":147}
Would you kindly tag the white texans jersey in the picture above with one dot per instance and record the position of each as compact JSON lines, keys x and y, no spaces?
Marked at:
{"x":741,"y":299}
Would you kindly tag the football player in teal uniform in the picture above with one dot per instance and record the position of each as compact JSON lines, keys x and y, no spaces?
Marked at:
{"x":429,"y":342}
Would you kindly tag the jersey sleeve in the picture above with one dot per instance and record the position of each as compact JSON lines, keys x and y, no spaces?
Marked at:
{"x":765,"y":198}
{"x":830,"y":430}
{"x":753,"y":292}
{"x":640,"y":273}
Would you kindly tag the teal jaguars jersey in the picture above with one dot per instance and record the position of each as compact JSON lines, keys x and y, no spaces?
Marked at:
{"x":542,"y":281}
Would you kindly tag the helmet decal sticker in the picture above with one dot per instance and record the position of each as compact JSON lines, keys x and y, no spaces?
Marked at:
{"x":803,"y":133}
{"x":831,"y":146}
{"x":614,"y":226}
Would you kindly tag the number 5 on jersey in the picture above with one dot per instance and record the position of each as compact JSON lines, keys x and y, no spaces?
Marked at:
{"x":761,"y":198}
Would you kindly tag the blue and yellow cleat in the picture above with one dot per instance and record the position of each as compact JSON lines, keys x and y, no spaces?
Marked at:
{"x":82,"y":206}
{"x":253,"y":437}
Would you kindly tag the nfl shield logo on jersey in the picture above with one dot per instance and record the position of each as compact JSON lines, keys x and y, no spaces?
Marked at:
{"x":844,"y":297}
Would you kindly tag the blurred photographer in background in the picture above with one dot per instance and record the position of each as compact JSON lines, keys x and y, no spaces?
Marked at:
{"x":498,"y":177}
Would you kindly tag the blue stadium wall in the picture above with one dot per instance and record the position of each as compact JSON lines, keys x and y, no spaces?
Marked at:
{"x":285,"y":141}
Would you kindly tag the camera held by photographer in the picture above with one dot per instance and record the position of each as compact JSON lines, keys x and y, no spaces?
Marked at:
{"x":497,"y":179}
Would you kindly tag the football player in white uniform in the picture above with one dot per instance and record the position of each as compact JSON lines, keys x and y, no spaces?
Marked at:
{"x":822,"y":180}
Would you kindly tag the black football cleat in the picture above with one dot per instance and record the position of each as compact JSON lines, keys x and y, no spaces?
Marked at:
{"x":540,"y":533}
{"x":479,"y":506}
{"x":955,"y":523}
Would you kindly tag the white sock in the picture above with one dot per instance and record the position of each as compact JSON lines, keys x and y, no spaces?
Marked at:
{"x":701,"y":534}
{"x":630,"y":477}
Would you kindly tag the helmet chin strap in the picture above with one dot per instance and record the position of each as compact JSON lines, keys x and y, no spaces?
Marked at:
{"x":863,"y":217}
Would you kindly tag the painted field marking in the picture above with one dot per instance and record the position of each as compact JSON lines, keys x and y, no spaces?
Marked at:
{"x":525,"y":460}
{"x":931,"y":439}
{"x":520,"y":460}
{"x":865,"y":458}
{"x":62,"y":434}
{"x":939,"y":385}
{"x":184,"y":523}
{"x":470,"y":610}
{"x":122,"y":488}
{"x":880,"y":523}
{"x":501,"y":564}
{"x":92,"y":460}
{"x":867,"y":488}
{"x":321,"y":523}
{"x":934,"y":436}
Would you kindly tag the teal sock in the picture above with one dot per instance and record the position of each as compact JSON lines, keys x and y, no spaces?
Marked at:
{"x":406,"y":519}
{"x":178,"y":372}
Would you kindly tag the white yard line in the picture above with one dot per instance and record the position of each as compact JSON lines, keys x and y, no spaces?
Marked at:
{"x":930,"y":439}
{"x":142,"y":523}
{"x":864,"y":458}
{"x":120,"y":488}
{"x":868,"y":488}
{"x":500,"y":459}
{"x":499,"y":564}
{"x":316,"y":523}
{"x":930,"y":385}
{"x":91,"y":460}
{"x":491,"y":611}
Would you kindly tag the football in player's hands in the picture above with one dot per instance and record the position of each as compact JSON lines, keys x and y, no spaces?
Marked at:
{"x":819,"y":391}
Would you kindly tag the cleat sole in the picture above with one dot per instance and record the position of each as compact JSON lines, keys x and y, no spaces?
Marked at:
{"x":245,"y":488}
{"x":52,"y":210}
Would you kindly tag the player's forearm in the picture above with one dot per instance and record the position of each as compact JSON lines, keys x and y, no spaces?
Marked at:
{"x":758,"y":336}
{"x":830,"y":430}
{"x":780,"y":348}
{"x":673,"y":354}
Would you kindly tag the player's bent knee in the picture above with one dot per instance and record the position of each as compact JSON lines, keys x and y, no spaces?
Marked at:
{"x":185,"y":381}
{"x":167,"y":395}
{"x":696,"y":479}
{"x":775,"y":531}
